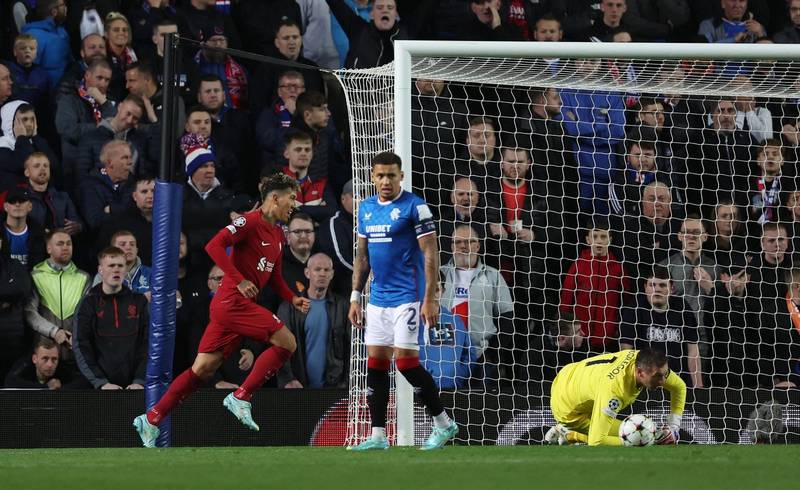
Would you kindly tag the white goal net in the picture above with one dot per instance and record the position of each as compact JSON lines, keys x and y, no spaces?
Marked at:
{"x":592,"y":198}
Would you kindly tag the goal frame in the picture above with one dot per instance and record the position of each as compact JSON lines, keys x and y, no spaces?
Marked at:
{"x":405,"y":50}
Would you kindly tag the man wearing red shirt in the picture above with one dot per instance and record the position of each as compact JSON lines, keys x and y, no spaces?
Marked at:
{"x":256,"y":240}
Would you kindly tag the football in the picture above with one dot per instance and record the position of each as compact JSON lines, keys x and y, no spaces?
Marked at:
{"x":637,"y":430}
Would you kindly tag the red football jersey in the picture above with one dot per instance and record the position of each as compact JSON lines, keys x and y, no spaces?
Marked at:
{"x":256,"y":255}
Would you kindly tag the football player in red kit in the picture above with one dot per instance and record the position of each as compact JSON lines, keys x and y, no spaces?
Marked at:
{"x":256,"y":240}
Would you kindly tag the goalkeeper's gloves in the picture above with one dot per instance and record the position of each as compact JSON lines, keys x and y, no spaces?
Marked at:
{"x":669,"y":433}
{"x":557,"y":435}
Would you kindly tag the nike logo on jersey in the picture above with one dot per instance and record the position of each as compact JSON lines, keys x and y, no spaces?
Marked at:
{"x":264,"y":244}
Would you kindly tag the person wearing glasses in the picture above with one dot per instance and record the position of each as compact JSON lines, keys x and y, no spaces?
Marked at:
{"x":301,"y":237}
{"x":287,"y":45}
{"x":53,"y":53}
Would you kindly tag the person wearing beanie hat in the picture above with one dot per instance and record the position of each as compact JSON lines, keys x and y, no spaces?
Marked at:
{"x":206,"y":202}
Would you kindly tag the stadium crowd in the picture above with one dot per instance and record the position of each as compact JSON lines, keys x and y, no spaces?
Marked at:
{"x":571,"y":222}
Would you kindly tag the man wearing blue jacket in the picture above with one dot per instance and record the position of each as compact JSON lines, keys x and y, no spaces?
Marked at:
{"x":53,"y":53}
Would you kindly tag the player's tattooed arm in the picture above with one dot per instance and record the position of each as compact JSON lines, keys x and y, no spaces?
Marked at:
{"x":360,"y":273}
{"x":430,"y":253}
{"x":361,"y":266}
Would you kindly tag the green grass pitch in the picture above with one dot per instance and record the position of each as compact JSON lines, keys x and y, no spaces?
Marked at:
{"x":455,"y":467}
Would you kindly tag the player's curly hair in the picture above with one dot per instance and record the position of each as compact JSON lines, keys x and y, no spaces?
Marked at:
{"x":277,"y":182}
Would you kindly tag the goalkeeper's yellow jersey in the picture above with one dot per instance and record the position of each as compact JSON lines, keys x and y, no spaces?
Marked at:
{"x":596,"y":389}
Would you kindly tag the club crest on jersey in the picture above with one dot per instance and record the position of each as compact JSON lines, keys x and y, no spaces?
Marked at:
{"x":240,"y":221}
{"x":395,"y":214}
{"x":264,"y":265}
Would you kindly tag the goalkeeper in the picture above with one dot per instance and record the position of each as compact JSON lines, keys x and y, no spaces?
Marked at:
{"x":587,"y":396}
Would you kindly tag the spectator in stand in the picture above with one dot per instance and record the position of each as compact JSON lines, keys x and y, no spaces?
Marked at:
{"x":206,"y":202}
{"x":362,"y":8}
{"x":562,"y":343}
{"x":467,"y":208}
{"x":486,"y":23}
{"x":288,"y":47}
{"x":670,"y":142}
{"x":200,"y":20}
{"x":717,"y":154}
{"x":15,"y":289}
{"x":728,"y":244}
{"x":479,"y":296}
{"x":108,"y":191}
{"x":120,"y":53}
{"x":92,"y":46}
{"x":627,"y":183}
{"x":20,"y":140}
{"x":110,"y":337}
{"x":736,"y":25}
{"x":593,"y":289}
{"x":80,"y":112}
{"x":259,"y":20}
{"x":648,"y":238}
{"x":140,"y":80}
{"x":233,"y":75}
{"x":438,"y":121}
{"x":315,"y":197}
{"x":791,"y":34}
{"x":548,"y":29}
{"x":199,"y":131}
{"x":124,"y":126}
{"x":371,"y":42}
{"x":23,"y":238}
{"x":322,"y":358}
{"x":58,"y":288}
{"x":661,"y":320}
{"x":769,"y":187}
{"x":335,"y":239}
{"x":137,"y":276}
{"x":609,"y":21}
{"x":445,"y":350}
{"x":756,"y":120}
{"x":577,"y":17}
{"x":144,"y":19}
{"x":53,"y":53}
{"x":137,"y":219}
{"x":693,"y":273}
{"x":479,"y":160}
{"x":51,"y":207}
{"x":31,"y":83}
{"x":232,"y":130}
{"x":597,"y":122}
{"x":43,"y":370}
{"x":653,"y":20}
{"x":312,"y":117}
{"x":318,"y":41}
{"x":769,"y":268}
{"x":186,"y":73}
{"x":6,"y":84}
{"x":779,"y":339}
{"x":276,"y":118}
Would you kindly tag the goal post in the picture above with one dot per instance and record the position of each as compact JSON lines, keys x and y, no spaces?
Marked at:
{"x":514,"y":65}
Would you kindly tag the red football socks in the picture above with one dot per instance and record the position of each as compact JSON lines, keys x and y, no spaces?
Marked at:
{"x":267,"y":364}
{"x":180,"y":389}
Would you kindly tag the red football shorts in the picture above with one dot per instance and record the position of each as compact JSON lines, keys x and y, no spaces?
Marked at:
{"x":233,"y":319}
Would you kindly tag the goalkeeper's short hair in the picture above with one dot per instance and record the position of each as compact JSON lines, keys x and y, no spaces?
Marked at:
{"x":650,"y":358}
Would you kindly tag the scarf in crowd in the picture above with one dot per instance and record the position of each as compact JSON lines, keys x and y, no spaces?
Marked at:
{"x":127,"y":58}
{"x":643,"y":178}
{"x":768,"y":200}
{"x":284,"y":116}
{"x":83,"y":94}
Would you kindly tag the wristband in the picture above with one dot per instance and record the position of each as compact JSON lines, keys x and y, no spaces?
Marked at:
{"x":355,"y":296}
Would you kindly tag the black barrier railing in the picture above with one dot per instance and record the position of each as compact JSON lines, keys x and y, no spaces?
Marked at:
{"x":33,"y":419}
